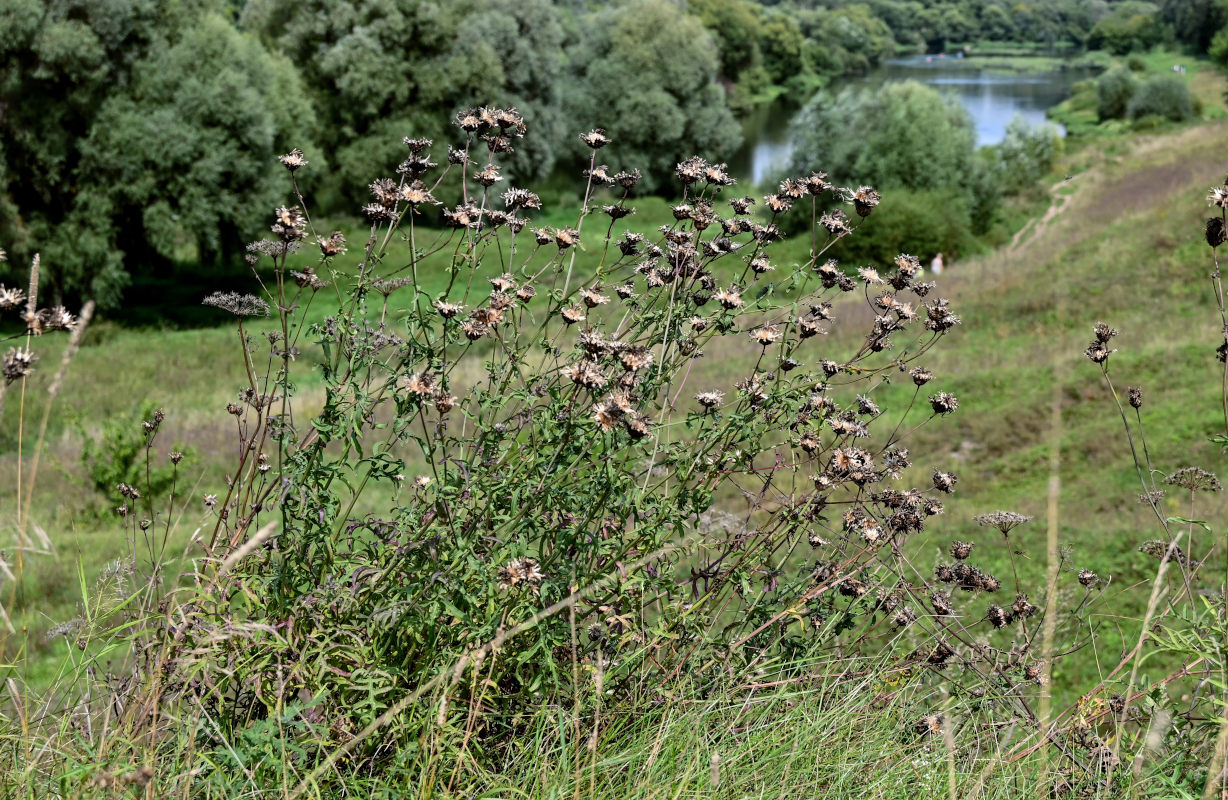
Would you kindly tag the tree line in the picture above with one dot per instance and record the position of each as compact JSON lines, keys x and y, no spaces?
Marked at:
{"x":138,"y":132}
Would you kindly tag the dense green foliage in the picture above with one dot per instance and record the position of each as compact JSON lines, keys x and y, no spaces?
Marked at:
{"x":137,"y":133}
{"x":130,"y":130}
{"x":904,"y":136}
{"x":1162,"y":96}
{"x":1114,"y":90}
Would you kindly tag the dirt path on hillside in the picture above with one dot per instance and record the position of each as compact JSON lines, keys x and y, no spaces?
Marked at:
{"x":1036,"y":227}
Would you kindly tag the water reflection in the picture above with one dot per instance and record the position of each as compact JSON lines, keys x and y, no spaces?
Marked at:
{"x":993,"y":99}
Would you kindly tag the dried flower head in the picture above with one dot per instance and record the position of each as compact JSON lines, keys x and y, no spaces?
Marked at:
{"x":416,"y":194}
{"x":566,"y":237}
{"x":518,"y":571}
{"x":729,"y":298}
{"x":241,"y":305}
{"x":1216,"y":231}
{"x":816,"y":183}
{"x":692,"y":170}
{"x":11,"y":298}
{"x":1021,"y":608}
{"x":766,"y":335}
{"x":627,"y":179}
{"x":1003,"y":521}
{"x":18,"y":363}
{"x":944,"y":481}
{"x":944,"y":403}
{"x":998,"y":616}
{"x":836,"y":222}
{"x":586,"y":373}
{"x":1165,"y":551}
{"x":865,"y":199}
{"x":777,"y":204}
{"x":1194,"y":479}
{"x":961,"y":550}
{"x":488,"y":175}
{"x":448,"y":310}
{"x":592,"y":298}
{"x":711,"y":399}
{"x":293,"y":160}
{"x":595,"y":139}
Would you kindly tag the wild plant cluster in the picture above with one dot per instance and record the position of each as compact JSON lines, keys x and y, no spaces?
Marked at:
{"x":556,"y":471}
{"x":523,"y":491}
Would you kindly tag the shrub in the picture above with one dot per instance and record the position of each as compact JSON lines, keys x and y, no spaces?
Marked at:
{"x":924,"y":223}
{"x":1114,"y":90}
{"x":1164,"y":96}
{"x":1219,"y":48}
{"x":1026,"y":153}
{"x":121,"y":453}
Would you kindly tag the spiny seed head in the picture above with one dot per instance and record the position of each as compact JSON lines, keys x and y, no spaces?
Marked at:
{"x":1216,"y":231}
{"x":903,"y":617}
{"x":870,"y":276}
{"x":998,"y":616}
{"x":1103,"y":332}
{"x":729,"y":298}
{"x":1135,"y":395}
{"x":851,"y":587}
{"x":293,"y":160}
{"x":1152,"y":498}
{"x":595,"y":139}
{"x":1021,"y":608}
{"x":11,"y":298}
{"x":944,"y":403}
{"x":592,"y":299}
{"x":448,"y":310}
{"x":942,"y":654}
{"x":920,"y":376}
{"x":777,"y":204}
{"x":1087,"y":577}
{"x":944,"y":481}
{"x":18,"y":363}
{"x":766,"y":336}
{"x":865,"y":199}
{"x":710,"y":400}
{"x":1161,"y":550}
{"x":961,"y":550}
{"x":516,"y":199}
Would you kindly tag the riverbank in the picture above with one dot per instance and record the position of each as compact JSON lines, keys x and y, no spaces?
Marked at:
{"x":1079,"y":113}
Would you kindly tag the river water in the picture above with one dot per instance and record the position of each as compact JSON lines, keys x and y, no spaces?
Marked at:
{"x":993,"y":99}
